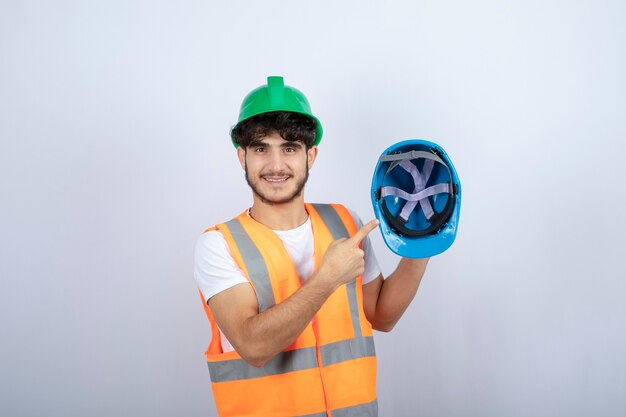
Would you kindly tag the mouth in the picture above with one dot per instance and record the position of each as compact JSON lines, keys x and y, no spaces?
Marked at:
{"x":276,"y":180}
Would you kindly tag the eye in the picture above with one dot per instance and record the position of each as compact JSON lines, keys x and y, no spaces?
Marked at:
{"x":290,"y":149}
{"x":259,"y":149}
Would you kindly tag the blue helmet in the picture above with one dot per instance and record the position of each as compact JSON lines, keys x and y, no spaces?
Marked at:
{"x":416,"y":195}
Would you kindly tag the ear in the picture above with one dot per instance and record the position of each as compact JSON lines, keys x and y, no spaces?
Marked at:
{"x":241,"y":154}
{"x":312,"y":153}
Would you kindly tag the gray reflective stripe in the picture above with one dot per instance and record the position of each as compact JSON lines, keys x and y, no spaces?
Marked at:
{"x":354,"y":308}
{"x":290,"y":361}
{"x":255,"y":264}
{"x":332,"y":220}
{"x":293,"y":360}
{"x":338,"y":230}
{"x":351,"y":288}
{"x":346,"y":350}
{"x":362,"y":410}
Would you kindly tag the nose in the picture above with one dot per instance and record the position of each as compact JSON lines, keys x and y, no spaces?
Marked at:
{"x":276,"y":163}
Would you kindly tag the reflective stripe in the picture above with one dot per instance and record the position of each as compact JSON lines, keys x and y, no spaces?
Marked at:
{"x":338,"y":230}
{"x":255,"y":264}
{"x":354,"y":308}
{"x":363,"y":410}
{"x":346,"y":350}
{"x":293,"y":360}
{"x":332,"y":220}
{"x":290,"y":361}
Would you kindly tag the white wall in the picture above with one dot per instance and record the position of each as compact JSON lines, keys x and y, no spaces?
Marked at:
{"x":114,"y":155}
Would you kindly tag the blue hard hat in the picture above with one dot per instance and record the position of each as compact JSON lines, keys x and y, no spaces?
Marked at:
{"x":416,"y":195}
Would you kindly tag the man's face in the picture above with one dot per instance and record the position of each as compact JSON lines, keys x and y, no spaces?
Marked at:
{"x":276,"y":169}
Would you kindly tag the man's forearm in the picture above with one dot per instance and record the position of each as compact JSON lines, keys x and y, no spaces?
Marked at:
{"x":271,"y":331}
{"x":397,"y":292}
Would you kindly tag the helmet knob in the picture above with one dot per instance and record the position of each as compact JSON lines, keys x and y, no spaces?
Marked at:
{"x":276,"y":90}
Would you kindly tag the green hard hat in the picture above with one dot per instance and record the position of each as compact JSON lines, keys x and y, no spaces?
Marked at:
{"x":276,"y":96}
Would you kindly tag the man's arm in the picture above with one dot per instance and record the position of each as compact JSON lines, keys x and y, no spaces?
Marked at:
{"x":257,"y":337}
{"x":385,"y":300}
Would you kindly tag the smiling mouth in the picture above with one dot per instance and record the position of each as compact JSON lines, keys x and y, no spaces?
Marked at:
{"x":275,"y":180}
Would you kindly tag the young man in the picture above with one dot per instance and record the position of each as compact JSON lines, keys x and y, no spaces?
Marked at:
{"x":293,"y":290}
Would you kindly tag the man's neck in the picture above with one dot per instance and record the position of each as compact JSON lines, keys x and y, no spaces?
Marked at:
{"x":284,"y":216}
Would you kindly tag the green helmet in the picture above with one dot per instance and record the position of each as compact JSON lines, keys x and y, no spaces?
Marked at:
{"x":276,"y":96}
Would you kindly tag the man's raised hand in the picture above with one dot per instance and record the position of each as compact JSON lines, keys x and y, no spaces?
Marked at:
{"x":344,"y":259}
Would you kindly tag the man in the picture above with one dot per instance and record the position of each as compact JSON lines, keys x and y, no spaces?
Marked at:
{"x":293,"y":290}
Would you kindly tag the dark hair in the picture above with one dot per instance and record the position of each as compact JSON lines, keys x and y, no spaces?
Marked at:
{"x":289,"y":125}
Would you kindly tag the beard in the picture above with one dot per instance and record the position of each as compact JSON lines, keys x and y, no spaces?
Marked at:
{"x":273,"y":200}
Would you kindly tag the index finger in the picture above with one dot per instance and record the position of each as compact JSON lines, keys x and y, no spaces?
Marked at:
{"x":364,"y":231}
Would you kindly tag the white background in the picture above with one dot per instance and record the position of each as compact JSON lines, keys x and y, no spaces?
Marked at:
{"x":115,"y":155}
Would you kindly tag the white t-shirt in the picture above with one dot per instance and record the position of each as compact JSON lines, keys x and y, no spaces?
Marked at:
{"x":215,"y":270}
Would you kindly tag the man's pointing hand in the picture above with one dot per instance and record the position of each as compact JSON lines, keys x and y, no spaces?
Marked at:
{"x":345,"y":260}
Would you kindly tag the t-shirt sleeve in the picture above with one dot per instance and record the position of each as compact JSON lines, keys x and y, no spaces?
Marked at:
{"x":215,"y":270}
{"x":372,"y":269}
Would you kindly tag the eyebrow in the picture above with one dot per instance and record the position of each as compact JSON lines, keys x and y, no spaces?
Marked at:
{"x":291,"y":145}
{"x":261,"y":144}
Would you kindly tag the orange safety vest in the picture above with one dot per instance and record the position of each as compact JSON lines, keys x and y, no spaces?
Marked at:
{"x":330,"y":369}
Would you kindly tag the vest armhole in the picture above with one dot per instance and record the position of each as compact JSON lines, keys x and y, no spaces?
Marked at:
{"x":215,"y":346}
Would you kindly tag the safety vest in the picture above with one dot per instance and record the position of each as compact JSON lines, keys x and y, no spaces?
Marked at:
{"x":330,"y":369}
